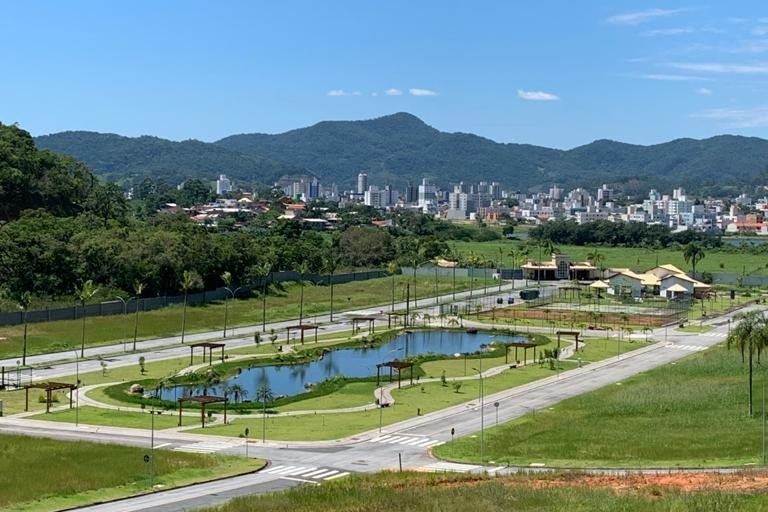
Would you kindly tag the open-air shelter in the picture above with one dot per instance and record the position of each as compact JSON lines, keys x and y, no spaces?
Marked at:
{"x":203,"y":400}
{"x":398,"y":318}
{"x":575,"y":334}
{"x":525,"y":345}
{"x":301,"y":328}
{"x":49,"y":388}
{"x":357,"y":320}
{"x":397,"y":365}
{"x":209,"y":346}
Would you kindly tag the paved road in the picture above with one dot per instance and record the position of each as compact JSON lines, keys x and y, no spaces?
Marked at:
{"x":58,"y":364}
{"x":405,"y":443}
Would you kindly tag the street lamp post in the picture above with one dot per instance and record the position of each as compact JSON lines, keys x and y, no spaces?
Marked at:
{"x":77,"y":390}
{"x":232,"y":294}
{"x":482,"y":415}
{"x":125,"y":312}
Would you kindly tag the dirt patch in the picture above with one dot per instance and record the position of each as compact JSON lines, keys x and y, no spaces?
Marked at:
{"x":606,"y":320}
{"x":686,"y":482}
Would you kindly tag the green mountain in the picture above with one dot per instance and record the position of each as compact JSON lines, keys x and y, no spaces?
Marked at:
{"x":401,"y":148}
{"x":119,"y":158}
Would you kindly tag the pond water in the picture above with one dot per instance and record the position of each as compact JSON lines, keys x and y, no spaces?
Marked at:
{"x":289,"y":380}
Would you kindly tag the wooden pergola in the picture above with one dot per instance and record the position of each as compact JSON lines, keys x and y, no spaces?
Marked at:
{"x":210,"y":346}
{"x":371,"y":323}
{"x":575,"y":334}
{"x":49,"y":388}
{"x":399,"y":366}
{"x":203,"y":400}
{"x":525,"y":345}
{"x":301,"y":328}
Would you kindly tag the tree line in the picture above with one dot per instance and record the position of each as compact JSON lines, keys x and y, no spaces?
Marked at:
{"x":626,"y":234}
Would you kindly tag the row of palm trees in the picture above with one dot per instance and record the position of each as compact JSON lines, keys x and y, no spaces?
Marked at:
{"x":750,"y":337}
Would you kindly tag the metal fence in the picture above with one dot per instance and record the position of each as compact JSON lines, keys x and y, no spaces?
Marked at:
{"x":118,"y":307}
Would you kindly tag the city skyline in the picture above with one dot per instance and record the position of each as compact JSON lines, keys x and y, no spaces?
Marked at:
{"x":557,"y":76}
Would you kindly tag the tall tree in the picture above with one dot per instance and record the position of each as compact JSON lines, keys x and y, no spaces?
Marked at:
{"x":138,"y":288}
{"x":24,"y":300}
{"x":84,"y":294}
{"x":226,"y":278}
{"x":750,"y":337}
{"x":331,"y":260}
{"x":190,"y":281}
{"x":693,"y":253}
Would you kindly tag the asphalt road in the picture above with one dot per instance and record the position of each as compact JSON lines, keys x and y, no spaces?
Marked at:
{"x":404,"y":444}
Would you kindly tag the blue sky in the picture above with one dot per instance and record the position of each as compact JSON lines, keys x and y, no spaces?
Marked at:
{"x":558,"y":74}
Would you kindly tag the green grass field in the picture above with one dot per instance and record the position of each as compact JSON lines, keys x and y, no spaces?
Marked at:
{"x":281,"y":305}
{"x":634,"y":258}
{"x":42,"y":474}
{"x":419,"y":492}
{"x":690,"y":413}
{"x":111,"y":418}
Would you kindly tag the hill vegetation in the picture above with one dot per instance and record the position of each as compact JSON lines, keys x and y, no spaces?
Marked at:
{"x":401,"y":148}
{"x":119,"y":158}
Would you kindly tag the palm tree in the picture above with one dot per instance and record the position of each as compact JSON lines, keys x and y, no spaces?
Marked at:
{"x":426,"y":318}
{"x":750,"y":336}
{"x":190,"y":280}
{"x":518,"y":258}
{"x":226,"y":277}
{"x":597,"y":258}
{"x":693,"y":253}
{"x":24,"y":300}
{"x":330,"y":264}
{"x":262,"y":271}
{"x":138,"y":288}
{"x":238,"y":392}
{"x":303,"y":268}
{"x":453,"y":322}
{"x":84,"y":294}
{"x":393,"y":268}
{"x":264,"y":395}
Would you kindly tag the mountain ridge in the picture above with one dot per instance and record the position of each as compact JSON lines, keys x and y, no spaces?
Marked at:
{"x":401,"y":148}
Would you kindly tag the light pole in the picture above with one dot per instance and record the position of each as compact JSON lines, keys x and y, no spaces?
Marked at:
{"x":77,"y":390}
{"x":232,"y":293}
{"x":482,"y":419}
{"x":125,"y":312}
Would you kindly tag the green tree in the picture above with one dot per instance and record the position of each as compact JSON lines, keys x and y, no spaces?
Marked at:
{"x":24,"y":300}
{"x":750,"y":337}
{"x":138,"y":288}
{"x":331,"y":261}
{"x":190,"y":281}
{"x":693,"y":253}
{"x":226,"y":278}
{"x":85,"y":293}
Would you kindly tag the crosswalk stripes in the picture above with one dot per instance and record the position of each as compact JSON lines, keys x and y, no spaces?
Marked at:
{"x":205,"y":447}
{"x":421,"y":442}
{"x":690,"y":348}
{"x":313,"y":473}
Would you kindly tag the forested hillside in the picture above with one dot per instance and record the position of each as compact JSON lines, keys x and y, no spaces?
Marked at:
{"x":120,"y":158}
{"x":401,"y":148}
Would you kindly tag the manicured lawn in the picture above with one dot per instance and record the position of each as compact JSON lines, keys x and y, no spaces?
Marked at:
{"x":110,"y":418}
{"x":690,"y":413}
{"x":420,"y":492}
{"x":428,"y":397}
{"x":42,"y":474}
{"x":281,"y":305}
{"x":695,"y":328}
{"x":351,"y":395}
{"x":633,"y":258}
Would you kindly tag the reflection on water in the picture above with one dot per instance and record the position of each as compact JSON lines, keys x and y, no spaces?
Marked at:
{"x":288,"y":380}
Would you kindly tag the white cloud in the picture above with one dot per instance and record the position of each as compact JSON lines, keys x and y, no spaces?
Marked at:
{"x":680,"y":31}
{"x":737,"y":117}
{"x":374,"y":94}
{"x":536,"y":95}
{"x":393,"y":92}
{"x":636,"y":18}
{"x":721,"y":67}
{"x":703,"y":90}
{"x":342,"y":92}
{"x":673,"y":78}
{"x":754,"y":46}
{"x":422,"y":92}
{"x":760,"y":30}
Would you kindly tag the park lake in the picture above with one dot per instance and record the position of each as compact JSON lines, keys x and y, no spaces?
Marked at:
{"x":293,"y":379}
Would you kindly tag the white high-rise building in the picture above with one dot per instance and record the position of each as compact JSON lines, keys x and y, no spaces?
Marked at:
{"x":426,"y":193}
{"x":362,"y":183}
{"x":223,"y":185}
